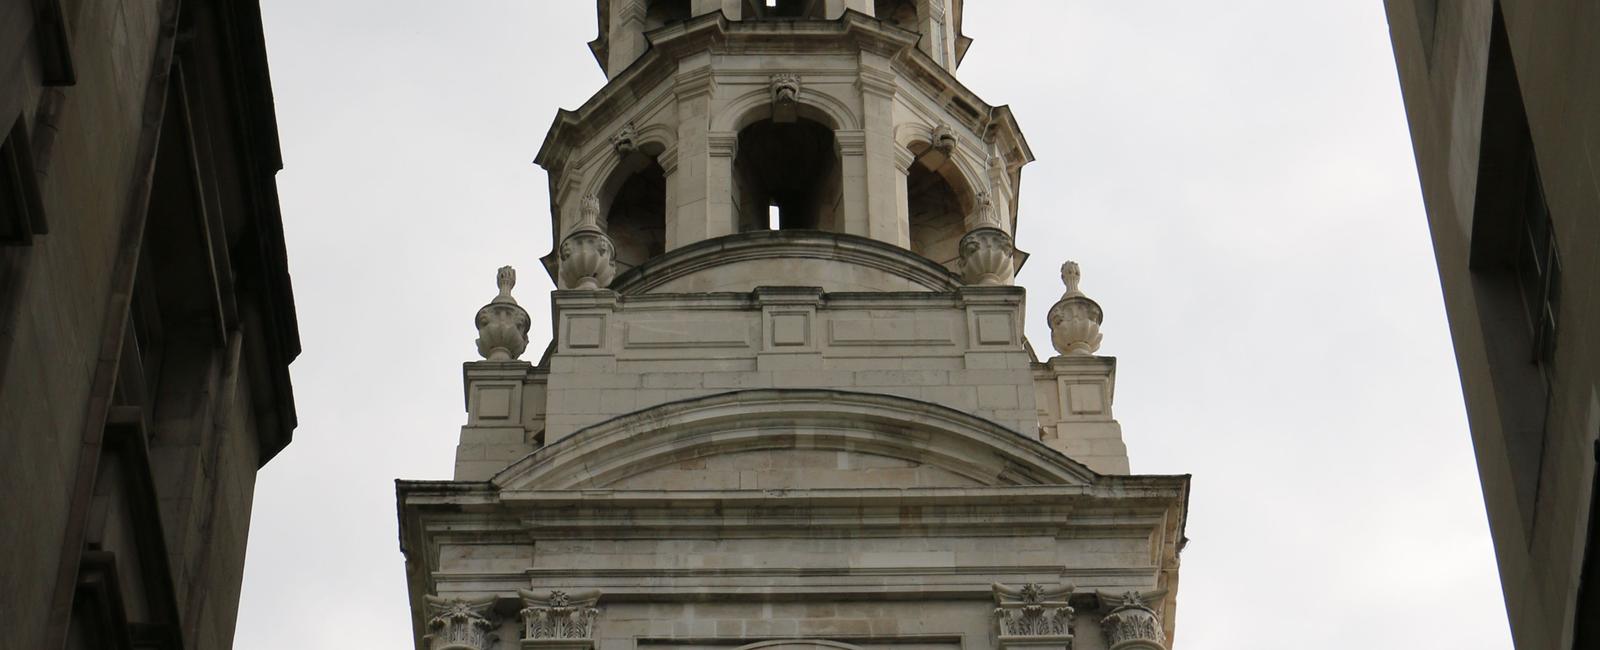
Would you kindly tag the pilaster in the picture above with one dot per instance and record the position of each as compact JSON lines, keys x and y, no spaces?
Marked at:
{"x":884,"y":184}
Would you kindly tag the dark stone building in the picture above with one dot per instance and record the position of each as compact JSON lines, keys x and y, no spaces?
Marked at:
{"x":146,"y":317}
{"x":1503,"y":98}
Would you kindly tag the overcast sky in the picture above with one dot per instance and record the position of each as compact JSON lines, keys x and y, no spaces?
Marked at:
{"x":1235,"y":177}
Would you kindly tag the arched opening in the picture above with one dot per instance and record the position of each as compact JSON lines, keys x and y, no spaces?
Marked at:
{"x":900,"y":13}
{"x":637,"y":217}
{"x":787,"y":176}
{"x":785,"y":9}
{"x":937,"y":201}
{"x":661,"y":13}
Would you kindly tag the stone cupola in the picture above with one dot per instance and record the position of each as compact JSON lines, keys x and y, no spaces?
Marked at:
{"x":794,"y":131}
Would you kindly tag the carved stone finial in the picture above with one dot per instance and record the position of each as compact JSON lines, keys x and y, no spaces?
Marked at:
{"x":559,"y":616}
{"x":457,"y":624}
{"x":1075,"y":319}
{"x":626,"y":139}
{"x":588,"y":213}
{"x":1132,"y":624}
{"x":586,"y":256}
{"x":785,"y":96}
{"x":944,"y":138}
{"x":502,"y":324}
{"x":1033,"y":615}
{"x":986,"y":256}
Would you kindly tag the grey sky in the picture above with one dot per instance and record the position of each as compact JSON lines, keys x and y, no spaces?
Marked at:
{"x":1235,"y":177}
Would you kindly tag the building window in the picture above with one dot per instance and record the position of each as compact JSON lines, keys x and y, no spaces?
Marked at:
{"x":1516,"y":274}
{"x":788,"y":173}
{"x":21,"y":212}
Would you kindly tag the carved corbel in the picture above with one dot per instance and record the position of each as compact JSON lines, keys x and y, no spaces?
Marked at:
{"x":586,"y":254}
{"x":1033,"y":616}
{"x":503,"y":324}
{"x":626,"y":139}
{"x":559,"y":620}
{"x":456,"y":624}
{"x":785,"y":97}
{"x":943,"y":138}
{"x":1075,"y":319}
{"x":1132,"y":624}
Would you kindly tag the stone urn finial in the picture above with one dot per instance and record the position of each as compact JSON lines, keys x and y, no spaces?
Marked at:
{"x":503,"y":324}
{"x":1075,"y":319}
{"x":586,"y":255}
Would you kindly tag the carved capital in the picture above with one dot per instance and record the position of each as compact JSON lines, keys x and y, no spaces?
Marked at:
{"x":456,"y":624}
{"x":503,"y":324}
{"x":559,"y":619}
{"x":1075,"y":319}
{"x":1132,"y":624}
{"x":1033,"y":615}
{"x":986,"y":256}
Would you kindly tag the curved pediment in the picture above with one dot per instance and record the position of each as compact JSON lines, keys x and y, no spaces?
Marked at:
{"x":793,"y":439}
{"x":809,"y":258}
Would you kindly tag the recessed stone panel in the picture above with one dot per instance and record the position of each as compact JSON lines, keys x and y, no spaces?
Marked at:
{"x":725,"y":333}
{"x":586,"y":330}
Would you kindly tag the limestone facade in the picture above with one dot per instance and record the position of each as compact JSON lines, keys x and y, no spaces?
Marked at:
{"x":789,"y":402}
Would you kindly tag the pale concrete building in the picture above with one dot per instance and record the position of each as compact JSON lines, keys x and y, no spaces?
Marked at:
{"x":146,"y":318}
{"x":789,"y":402}
{"x":1504,"y":106}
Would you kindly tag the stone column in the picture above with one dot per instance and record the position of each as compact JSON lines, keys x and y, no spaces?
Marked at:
{"x":854,"y":217}
{"x":835,"y":8}
{"x":695,"y":176}
{"x":732,"y":9}
{"x":903,"y":159}
{"x":626,"y":40}
{"x":668,"y":160}
{"x":884,"y":183}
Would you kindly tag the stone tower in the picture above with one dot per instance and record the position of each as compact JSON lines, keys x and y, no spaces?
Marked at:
{"x":788,"y":401}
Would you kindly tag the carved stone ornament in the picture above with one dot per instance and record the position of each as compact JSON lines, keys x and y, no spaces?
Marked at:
{"x":1033,"y":615}
{"x":559,"y":618}
{"x":586,"y":253}
{"x":785,"y":96}
{"x":456,"y":624}
{"x":1132,"y":624}
{"x":1075,"y":319}
{"x":944,"y":138}
{"x":986,"y":255}
{"x":503,"y":324}
{"x":626,"y":139}
{"x":983,"y":214}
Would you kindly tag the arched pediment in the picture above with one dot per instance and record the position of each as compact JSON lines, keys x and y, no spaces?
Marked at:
{"x":793,"y":439}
